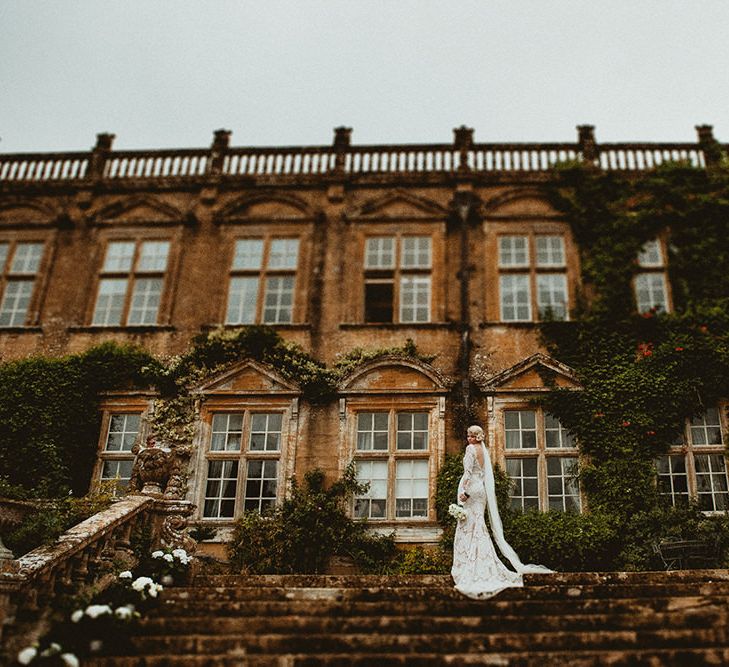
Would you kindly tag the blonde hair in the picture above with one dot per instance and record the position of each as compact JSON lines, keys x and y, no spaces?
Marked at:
{"x":477,"y":431}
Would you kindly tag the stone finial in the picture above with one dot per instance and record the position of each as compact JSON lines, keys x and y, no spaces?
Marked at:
{"x":104,"y":140}
{"x":342,"y":137}
{"x":462,"y":137}
{"x":706,"y":134}
{"x":221,"y":140}
{"x":587,"y":142}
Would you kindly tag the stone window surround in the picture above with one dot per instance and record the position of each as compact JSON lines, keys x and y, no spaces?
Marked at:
{"x":40,"y":278}
{"x":434,"y":405}
{"x":170,"y":277}
{"x":687,"y":449}
{"x":494,"y":229}
{"x":137,"y":403}
{"x":201,"y":443}
{"x":496,"y":438}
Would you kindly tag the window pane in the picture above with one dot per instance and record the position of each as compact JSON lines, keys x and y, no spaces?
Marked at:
{"x":153,"y":256}
{"x":555,"y":434}
{"x":552,"y":295}
{"x":278,"y":300}
{"x":650,"y":254}
{"x":221,"y":489}
{"x":242,"y":300}
{"x":145,"y":301}
{"x":15,"y":303}
{"x":248,"y":254}
{"x":119,"y":257}
{"x":562,"y":486}
{"x":516,"y":302}
{"x":373,"y":503}
{"x":523,"y":474}
{"x":650,"y":292}
{"x":415,"y":253}
{"x":284,"y":254}
{"x":411,"y":489}
{"x":110,"y":302}
{"x":119,"y":470}
{"x":226,"y":432}
{"x":265,"y":432}
{"x":378,"y":301}
{"x":513,"y":251}
{"x":415,"y":299}
{"x":4,"y":250}
{"x":550,"y":251}
{"x":123,"y":430}
{"x":372,"y":431}
{"x":380,"y":253}
{"x":26,"y":258}
{"x":520,"y":429}
{"x":408,"y":435}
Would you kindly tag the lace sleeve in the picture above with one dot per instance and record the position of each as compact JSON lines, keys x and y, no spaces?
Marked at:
{"x":469,"y":459}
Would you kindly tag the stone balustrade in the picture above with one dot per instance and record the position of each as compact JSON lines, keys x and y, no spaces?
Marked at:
{"x":87,"y":554}
{"x":345,"y":160}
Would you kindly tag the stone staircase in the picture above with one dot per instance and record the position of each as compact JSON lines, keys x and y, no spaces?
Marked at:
{"x":575,"y":619}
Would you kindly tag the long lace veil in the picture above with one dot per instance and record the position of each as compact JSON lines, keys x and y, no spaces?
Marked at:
{"x":497,"y":528}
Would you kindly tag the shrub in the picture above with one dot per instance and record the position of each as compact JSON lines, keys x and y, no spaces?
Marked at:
{"x":422,"y":560}
{"x":301,"y":534}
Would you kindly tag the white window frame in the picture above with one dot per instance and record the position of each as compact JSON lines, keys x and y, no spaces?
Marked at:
{"x":270,"y":261}
{"x":131,"y":268}
{"x":405,"y":262}
{"x":20,"y":266}
{"x":689,"y":447}
{"x":537,"y":456}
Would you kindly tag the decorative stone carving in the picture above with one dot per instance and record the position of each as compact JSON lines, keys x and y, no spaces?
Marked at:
{"x":152,"y":468}
{"x":174,"y":536}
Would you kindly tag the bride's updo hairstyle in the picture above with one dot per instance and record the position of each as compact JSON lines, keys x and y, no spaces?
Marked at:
{"x":477,"y":431}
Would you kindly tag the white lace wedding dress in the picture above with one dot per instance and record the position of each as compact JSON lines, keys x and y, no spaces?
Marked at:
{"x":477,"y":570}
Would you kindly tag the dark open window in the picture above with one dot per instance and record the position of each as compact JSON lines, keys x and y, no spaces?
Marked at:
{"x":378,"y":301}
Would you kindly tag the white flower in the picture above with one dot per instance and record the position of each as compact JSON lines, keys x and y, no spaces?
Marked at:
{"x":154,"y":589}
{"x":124,"y":613}
{"x":77,"y":616}
{"x":179,"y":553}
{"x":125,"y":575}
{"x":96,"y":610}
{"x":140,"y":583}
{"x":168,"y":557}
{"x":95,"y":645}
{"x":70,"y":660}
{"x":457,"y":511}
{"x":26,"y":656}
{"x":157,"y":554}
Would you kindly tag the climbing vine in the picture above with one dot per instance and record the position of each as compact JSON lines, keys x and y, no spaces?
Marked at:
{"x":642,"y":375}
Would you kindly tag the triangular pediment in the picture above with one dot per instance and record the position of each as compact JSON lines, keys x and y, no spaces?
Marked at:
{"x":539,"y":372}
{"x":248,"y":377}
{"x":394,"y":374}
{"x":397,"y":204}
{"x":267,"y":206}
{"x":521,"y":202}
{"x":139,"y":209}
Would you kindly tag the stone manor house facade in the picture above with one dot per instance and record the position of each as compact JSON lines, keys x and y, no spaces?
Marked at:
{"x":454,"y":246}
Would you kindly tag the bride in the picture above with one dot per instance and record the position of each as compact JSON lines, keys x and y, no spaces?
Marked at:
{"x":477,"y":570}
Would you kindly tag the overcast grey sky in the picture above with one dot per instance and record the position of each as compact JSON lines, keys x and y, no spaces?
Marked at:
{"x":166,"y":74}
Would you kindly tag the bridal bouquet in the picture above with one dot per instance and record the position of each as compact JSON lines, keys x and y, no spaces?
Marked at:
{"x":457,"y":511}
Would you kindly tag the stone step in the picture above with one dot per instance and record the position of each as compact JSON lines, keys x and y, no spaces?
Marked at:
{"x":464,"y":642}
{"x":693,"y":657}
{"x":445,"y":581}
{"x":180,"y":607}
{"x":419,"y":593}
{"x":704,"y":616}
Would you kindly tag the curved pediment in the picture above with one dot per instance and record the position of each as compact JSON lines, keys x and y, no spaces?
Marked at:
{"x":269,"y":206}
{"x":27,"y":212}
{"x":523,"y":203}
{"x":394,"y":374}
{"x":397,"y":204}
{"x":539,"y":372}
{"x":248,"y":377}
{"x":138,"y":209}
